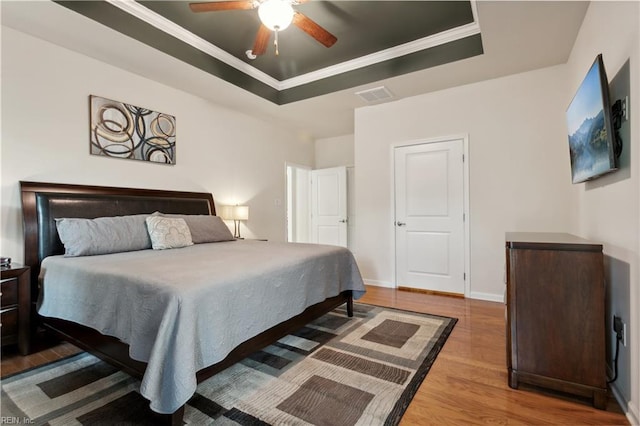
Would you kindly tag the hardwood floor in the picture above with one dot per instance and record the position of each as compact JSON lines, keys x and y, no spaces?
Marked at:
{"x":43,"y":352}
{"x":466,"y":385}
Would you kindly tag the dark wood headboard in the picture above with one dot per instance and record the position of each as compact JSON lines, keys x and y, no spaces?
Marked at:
{"x":43,"y":202}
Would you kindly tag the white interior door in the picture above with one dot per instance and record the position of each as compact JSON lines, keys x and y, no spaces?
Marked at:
{"x":429,"y":216}
{"x":329,"y":206}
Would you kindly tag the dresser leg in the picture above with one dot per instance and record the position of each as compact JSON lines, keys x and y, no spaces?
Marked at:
{"x":513,"y":379}
{"x":600,"y":399}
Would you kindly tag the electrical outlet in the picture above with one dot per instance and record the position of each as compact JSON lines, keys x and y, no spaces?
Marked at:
{"x":617,"y":324}
{"x":621,"y":330}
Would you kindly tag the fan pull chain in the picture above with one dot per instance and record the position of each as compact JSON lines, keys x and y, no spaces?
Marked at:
{"x":275,"y":42}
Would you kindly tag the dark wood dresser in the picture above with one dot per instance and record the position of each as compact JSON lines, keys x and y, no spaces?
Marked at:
{"x":15,"y":311}
{"x":556,"y":314}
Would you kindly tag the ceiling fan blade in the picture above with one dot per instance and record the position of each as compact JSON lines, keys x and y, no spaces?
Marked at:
{"x":314,"y":30}
{"x":262,"y":39}
{"x":214,"y":6}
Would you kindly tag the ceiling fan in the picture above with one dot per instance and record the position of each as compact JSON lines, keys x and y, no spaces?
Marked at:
{"x":275,"y":15}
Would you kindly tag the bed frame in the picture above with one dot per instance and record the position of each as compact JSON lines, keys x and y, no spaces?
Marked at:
{"x":43,"y":202}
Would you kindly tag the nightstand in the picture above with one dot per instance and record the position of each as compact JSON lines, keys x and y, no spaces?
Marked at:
{"x":15,"y":304}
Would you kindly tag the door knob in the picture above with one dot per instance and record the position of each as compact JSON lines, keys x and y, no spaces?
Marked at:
{"x":400,"y":223}
{"x":343,"y":221}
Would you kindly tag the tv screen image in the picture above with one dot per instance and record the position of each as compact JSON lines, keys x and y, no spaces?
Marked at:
{"x":591,"y":132}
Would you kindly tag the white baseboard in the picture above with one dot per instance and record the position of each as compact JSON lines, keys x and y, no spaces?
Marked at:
{"x":378,"y":283}
{"x":633,"y":414}
{"x":628,"y":407}
{"x":473,"y":295}
{"x":487,"y":296}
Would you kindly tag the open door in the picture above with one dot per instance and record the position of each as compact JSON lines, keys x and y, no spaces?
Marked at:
{"x":329,"y":206}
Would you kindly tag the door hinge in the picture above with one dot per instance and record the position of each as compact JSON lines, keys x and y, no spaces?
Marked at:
{"x":464,"y":276}
{"x":463,"y":158}
{"x":464,"y":217}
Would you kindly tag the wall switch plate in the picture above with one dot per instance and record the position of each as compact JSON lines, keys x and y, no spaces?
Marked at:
{"x":625,"y":108}
{"x":624,"y":334}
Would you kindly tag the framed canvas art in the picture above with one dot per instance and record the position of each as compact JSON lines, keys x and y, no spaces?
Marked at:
{"x":122,"y":130}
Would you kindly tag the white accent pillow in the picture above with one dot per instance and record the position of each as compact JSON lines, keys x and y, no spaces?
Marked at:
{"x":168,"y":232}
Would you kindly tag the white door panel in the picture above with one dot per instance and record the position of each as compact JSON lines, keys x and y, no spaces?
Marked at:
{"x":327,"y":191}
{"x":429,"y":208}
{"x":329,"y":206}
{"x":328,"y":235}
{"x":428,"y":253}
{"x":426,"y":187}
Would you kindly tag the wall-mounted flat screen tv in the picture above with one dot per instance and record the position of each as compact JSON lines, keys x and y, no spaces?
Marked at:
{"x":591,"y":132}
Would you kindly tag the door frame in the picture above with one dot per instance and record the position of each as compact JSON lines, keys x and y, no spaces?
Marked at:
{"x":465,"y":197}
{"x":288,"y":164}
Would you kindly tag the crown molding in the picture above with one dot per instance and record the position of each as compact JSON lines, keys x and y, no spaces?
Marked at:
{"x":384,"y":55}
{"x":163,"y":24}
{"x":441,"y":38}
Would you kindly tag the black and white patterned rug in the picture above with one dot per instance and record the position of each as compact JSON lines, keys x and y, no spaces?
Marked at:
{"x":334,"y":371}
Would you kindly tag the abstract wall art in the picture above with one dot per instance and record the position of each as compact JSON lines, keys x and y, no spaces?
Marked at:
{"x":122,"y":130}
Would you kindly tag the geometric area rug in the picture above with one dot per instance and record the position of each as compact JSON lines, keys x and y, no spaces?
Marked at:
{"x":334,"y":371}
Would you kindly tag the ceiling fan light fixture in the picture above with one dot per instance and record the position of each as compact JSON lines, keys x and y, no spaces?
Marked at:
{"x":276,"y":14}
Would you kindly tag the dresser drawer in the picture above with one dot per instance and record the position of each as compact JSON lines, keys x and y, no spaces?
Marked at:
{"x":9,"y":321}
{"x":15,"y":307}
{"x":9,"y":290}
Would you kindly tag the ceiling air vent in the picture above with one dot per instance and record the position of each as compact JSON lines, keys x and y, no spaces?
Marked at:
{"x":376,"y":94}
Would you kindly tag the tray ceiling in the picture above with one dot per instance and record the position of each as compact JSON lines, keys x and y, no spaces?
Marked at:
{"x":517,"y":36}
{"x":376,"y":40}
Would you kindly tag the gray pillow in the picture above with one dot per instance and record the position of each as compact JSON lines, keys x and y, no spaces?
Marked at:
{"x":103,"y":235}
{"x":204,"y":228}
{"x":168,"y":232}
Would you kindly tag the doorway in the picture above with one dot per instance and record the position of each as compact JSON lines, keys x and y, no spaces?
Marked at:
{"x":430,"y":201}
{"x":317,"y":205}
{"x":298,"y":203}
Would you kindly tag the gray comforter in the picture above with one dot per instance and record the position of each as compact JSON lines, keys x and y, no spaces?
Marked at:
{"x":184,"y":309}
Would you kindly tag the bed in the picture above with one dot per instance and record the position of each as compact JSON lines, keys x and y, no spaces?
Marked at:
{"x":158,"y":325}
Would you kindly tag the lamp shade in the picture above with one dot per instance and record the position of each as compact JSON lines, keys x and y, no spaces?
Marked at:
{"x":234,"y":212}
{"x":226,"y":212}
{"x":240,"y":212}
{"x":276,"y":14}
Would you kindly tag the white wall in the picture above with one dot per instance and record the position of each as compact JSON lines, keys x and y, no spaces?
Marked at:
{"x":45,"y":137}
{"x":609,"y":207}
{"x":519,"y":172}
{"x":333,"y":152}
{"x":519,"y":167}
